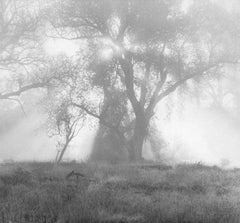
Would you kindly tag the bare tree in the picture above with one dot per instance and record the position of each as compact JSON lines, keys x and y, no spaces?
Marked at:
{"x":68,"y":125}
{"x":20,"y":47}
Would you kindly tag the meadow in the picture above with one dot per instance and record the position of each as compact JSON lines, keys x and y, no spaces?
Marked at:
{"x":45,"y":193}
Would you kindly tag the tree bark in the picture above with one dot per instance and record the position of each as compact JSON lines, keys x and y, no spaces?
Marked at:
{"x":141,"y":121}
{"x":63,"y":151}
{"x":140,"y":132}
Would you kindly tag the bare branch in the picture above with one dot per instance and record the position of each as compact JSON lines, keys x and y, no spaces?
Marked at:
{"x":83,"y":37}
{"x":22,"y":90}
{"x":84,"y":108}
{"x":99,"y":117}
{"x":173,"y":87}
{"x":159,"y":86}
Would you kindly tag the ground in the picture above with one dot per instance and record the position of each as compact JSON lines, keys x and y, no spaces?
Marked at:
{"x":42,"y":192}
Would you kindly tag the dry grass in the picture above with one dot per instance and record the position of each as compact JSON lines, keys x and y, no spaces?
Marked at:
{"x":39,"y":192}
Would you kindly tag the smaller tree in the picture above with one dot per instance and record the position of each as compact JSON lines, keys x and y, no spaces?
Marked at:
{"x":66,"y":125}
{"x":64,"y":121}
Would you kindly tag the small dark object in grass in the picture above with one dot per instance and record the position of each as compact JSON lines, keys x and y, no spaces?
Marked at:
{"x":75,"y":175}
{"x":199,"y":189}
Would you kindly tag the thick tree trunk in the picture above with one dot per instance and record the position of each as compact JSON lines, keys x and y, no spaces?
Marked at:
{"x":108,"y":147}
{"x":137,"y":141}
{"x":141,"y":122}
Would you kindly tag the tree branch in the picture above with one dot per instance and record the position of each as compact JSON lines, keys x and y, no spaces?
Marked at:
{"x":102,"y":121}
{"x":128,"y":73}
{"x":173,"y":87}
{"x":159,"y":86}
{"x":144,"y":85}
{"x":22,"y":90}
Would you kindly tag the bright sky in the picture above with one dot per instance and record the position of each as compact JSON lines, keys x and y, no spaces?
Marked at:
{"x":228,"y":5}
{"x":54,"y":47}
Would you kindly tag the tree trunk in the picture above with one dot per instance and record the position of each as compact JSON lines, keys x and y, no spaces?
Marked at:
{"x":140,"y":132}
{"x":108,"y":146}
{"x":63,"y":151}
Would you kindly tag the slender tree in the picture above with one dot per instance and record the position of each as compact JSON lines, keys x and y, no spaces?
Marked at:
{"x":69,"y":126}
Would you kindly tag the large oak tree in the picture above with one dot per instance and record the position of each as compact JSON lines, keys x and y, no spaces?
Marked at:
{"x":142,"y":51}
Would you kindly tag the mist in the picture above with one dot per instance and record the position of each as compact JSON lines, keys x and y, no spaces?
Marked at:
{"x":196,"y":134}
{"x":119,"y":111}
{"x":206,"y":137}
{"x":28,"y":140}
{"x":187,"y":83}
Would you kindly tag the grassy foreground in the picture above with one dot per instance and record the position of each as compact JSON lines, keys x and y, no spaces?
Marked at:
{"x":40,"y":192}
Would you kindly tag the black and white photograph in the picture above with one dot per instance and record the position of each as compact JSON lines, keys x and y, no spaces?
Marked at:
{"x":119,"y":111}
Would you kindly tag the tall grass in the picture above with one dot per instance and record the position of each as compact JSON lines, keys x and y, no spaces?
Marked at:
{"x":40,"y":192}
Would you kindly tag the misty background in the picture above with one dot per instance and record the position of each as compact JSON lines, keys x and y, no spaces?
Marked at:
{"x":197,"y":122}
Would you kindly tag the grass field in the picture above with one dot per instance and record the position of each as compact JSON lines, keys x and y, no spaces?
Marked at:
{"x":40,"y":192}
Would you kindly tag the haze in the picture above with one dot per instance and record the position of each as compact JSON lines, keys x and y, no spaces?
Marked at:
{"x":197,"y":123}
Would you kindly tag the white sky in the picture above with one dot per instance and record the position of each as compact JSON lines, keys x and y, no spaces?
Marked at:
{"x":228,"y":5}
{"x":54,"y":47}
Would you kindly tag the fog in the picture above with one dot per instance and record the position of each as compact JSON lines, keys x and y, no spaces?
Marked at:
{"x":202,"y":136}
{"x":28,"y":141}
{"x":197,"y":119}
{"x":196,"y":134}
{"x":192,"y":132}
